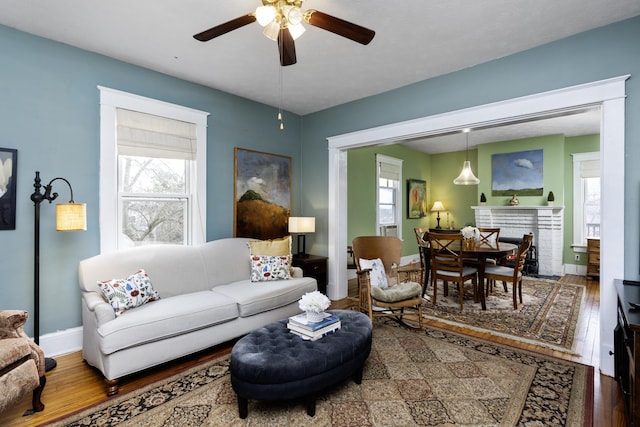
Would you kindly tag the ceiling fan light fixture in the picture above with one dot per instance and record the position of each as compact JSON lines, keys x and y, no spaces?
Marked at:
{"x":296,"y":30}
{"x":265,"y":15}
{"x":294,"y":15}
{"x":272,"y":30}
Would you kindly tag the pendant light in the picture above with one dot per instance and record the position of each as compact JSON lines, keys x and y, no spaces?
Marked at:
{"x":466,"y":176}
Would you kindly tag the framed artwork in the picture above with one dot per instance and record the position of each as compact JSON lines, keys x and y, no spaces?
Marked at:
{"x":518,"y":173}
{"x":8,"y":175}
{"x":416,"y":198}
{"x":262,"y":194}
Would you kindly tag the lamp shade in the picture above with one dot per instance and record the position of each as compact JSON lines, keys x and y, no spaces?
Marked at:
{"x":438,"y":206}
{"x":466,"y":176}
{"x":302,"y":224}
{"x":71,"y":217}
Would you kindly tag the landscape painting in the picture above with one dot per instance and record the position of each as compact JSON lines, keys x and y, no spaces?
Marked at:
{"x":518,"y":173}
{"x":8,"y":166}
{"x":262,"y":194}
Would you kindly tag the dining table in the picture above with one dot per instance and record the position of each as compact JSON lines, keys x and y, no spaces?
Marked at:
{"x":480,"y":251}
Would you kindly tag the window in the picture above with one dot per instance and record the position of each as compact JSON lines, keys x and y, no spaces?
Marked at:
{"x":152,"y":172}
{"x":586,"y":197}
{"x":388,"y":196}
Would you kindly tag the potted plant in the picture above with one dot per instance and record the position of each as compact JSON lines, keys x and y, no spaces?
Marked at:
{"x":550,"y":198}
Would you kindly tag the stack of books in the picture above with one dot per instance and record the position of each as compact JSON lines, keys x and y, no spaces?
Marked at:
{"x":306,"y":330}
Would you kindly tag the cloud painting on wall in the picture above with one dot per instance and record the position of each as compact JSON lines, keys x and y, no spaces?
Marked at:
{"x":518,"y":173}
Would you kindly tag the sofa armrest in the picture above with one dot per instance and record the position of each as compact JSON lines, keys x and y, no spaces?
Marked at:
{"x":296,"y":272}
{"x":11,"y":323}
{"x":101,"y":309}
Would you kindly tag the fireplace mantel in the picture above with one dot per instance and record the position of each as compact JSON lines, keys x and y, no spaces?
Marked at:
{"x":546,"y":223}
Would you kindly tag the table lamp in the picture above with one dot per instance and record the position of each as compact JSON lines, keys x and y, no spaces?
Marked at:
{"x":300,"y":225}
{"x":438,"y":207}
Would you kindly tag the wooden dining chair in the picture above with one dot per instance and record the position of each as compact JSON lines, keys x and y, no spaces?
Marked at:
{"x":447,"y":265}
{"x":423,"y":249}
{"x":385,"y":290}
{"x":510,"y":274}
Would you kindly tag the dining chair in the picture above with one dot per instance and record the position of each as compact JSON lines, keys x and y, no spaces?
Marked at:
{"x":447,"y":265}
{"x":423,"y":249}
{"x":384,"y":289}
{"x":510,"y":274}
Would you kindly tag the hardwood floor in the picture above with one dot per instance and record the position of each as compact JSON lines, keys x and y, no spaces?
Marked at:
{"x":74,"y":385}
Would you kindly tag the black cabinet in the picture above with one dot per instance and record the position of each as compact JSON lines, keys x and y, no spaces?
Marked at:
{"x":627,"y":349}
{"x":313,"y":266}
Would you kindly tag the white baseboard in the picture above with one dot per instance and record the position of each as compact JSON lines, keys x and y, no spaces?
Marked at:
{"x":62,"y":342}
{"x":575,"y":269}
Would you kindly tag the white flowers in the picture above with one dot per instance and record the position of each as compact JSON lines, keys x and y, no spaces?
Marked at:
{"x":470,"y":232}
{"x":314,"y":301}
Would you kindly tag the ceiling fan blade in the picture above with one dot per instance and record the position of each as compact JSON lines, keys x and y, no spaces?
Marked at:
{"x":286,"y":47}
{"x":339,"y":26}
{"x":221,"y":29}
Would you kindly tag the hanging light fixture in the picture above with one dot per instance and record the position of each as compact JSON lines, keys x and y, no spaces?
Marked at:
{"x":466,"y":176}
{"x":275,"y":15}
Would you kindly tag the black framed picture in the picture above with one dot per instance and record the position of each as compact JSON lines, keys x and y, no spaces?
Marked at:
{"x":8,"y":175}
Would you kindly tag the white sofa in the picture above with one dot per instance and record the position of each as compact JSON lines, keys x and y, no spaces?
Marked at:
{"x":206,"y":298}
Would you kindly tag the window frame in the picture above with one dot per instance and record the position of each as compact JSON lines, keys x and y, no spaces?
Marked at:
{"x":579,"y":238}
{"x":110,"y":99}
{"x":396,"y":164}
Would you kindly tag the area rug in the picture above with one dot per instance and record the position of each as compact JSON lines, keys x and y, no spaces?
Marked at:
{"x":431,"y":378}
{"x":548,"y":316}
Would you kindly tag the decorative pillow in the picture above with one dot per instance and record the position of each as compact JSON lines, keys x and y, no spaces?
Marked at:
{"x":377,"y":275}
{"x":124,"y":294}
{"x":273,"y":247}
{"x":265,"y":267}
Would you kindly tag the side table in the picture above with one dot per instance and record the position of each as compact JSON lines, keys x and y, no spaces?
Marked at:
{"x":313,"y":266}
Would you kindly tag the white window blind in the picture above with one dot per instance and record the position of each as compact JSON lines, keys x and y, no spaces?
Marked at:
{"x":147,"y":135}
{"x":590,"y":169}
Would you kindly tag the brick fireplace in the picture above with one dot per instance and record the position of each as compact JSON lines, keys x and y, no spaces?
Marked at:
{"x":546,"y":223}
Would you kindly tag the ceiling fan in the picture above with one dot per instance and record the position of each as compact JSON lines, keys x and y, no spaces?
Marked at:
{"x":282,"y":22}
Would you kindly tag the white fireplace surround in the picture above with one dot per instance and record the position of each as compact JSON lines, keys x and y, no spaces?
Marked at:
{"x":545,"y":222}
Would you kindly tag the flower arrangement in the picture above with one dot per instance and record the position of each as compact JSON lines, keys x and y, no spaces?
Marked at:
{"x":314,"y":302}
{"x":470,"y":232}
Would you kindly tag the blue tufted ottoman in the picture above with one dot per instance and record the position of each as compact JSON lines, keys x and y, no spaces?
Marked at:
{"x":271,"y":363}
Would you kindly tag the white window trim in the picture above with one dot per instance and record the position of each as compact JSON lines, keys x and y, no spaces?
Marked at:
{"x":110,"y":99}
{"x":381,"y":158}
{"x":578,"y":198}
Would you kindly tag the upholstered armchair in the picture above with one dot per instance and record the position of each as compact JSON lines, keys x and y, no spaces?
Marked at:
{"x":21,"y":362}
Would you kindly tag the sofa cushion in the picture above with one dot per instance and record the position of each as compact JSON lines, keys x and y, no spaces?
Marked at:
{"x":132,"y":292}
{"x":253,"y":298}
{"x":165,"y":318}
{"x":265,"y":268}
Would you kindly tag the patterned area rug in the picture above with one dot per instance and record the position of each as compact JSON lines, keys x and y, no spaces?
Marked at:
{"x":436,"y":378}
{"x":548,"y":316}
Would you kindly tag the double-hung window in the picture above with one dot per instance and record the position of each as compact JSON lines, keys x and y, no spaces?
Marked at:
{"x":586,"y":197}
{"x":152,"y":181}
{"x":389,"y":195}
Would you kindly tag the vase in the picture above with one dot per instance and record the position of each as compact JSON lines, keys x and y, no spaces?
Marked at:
{"x":469,"y":243}
{"x":315,"y":316}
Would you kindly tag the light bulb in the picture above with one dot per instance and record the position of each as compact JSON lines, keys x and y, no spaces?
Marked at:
{"x":265,"y":14}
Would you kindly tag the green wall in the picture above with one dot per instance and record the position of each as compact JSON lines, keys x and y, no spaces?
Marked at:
{"x":439,"y":170}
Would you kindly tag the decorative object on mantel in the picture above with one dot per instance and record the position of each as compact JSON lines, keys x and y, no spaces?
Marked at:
{"x":514,"y":201}
{"x":314,"y":304}
{"x":550,"y":199}
{"x":466,"y":176}
{"x":483,"y":199}
{"x":438,"y":207}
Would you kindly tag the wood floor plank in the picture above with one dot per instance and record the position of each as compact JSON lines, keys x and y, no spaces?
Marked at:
{"x":74,"y":385}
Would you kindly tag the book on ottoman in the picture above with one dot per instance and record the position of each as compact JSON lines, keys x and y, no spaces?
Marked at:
{"x":301,"y":321}
{"x":316,"y":330}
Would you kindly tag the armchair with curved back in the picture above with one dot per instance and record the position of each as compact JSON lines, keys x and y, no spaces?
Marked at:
{"x":401,"y":292}
{"x":21,"y":363}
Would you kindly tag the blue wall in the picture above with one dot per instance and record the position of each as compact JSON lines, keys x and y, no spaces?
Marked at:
{"x":599,"y":54}
{"x":49,"y":111}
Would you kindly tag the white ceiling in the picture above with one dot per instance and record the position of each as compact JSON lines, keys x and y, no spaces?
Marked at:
{"x":415,"y":40}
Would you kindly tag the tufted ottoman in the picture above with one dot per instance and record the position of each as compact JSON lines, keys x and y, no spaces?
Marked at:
{"x":273,"y":364}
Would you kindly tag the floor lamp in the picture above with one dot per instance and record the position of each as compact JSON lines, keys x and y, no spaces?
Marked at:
{"x":70,"y":216}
